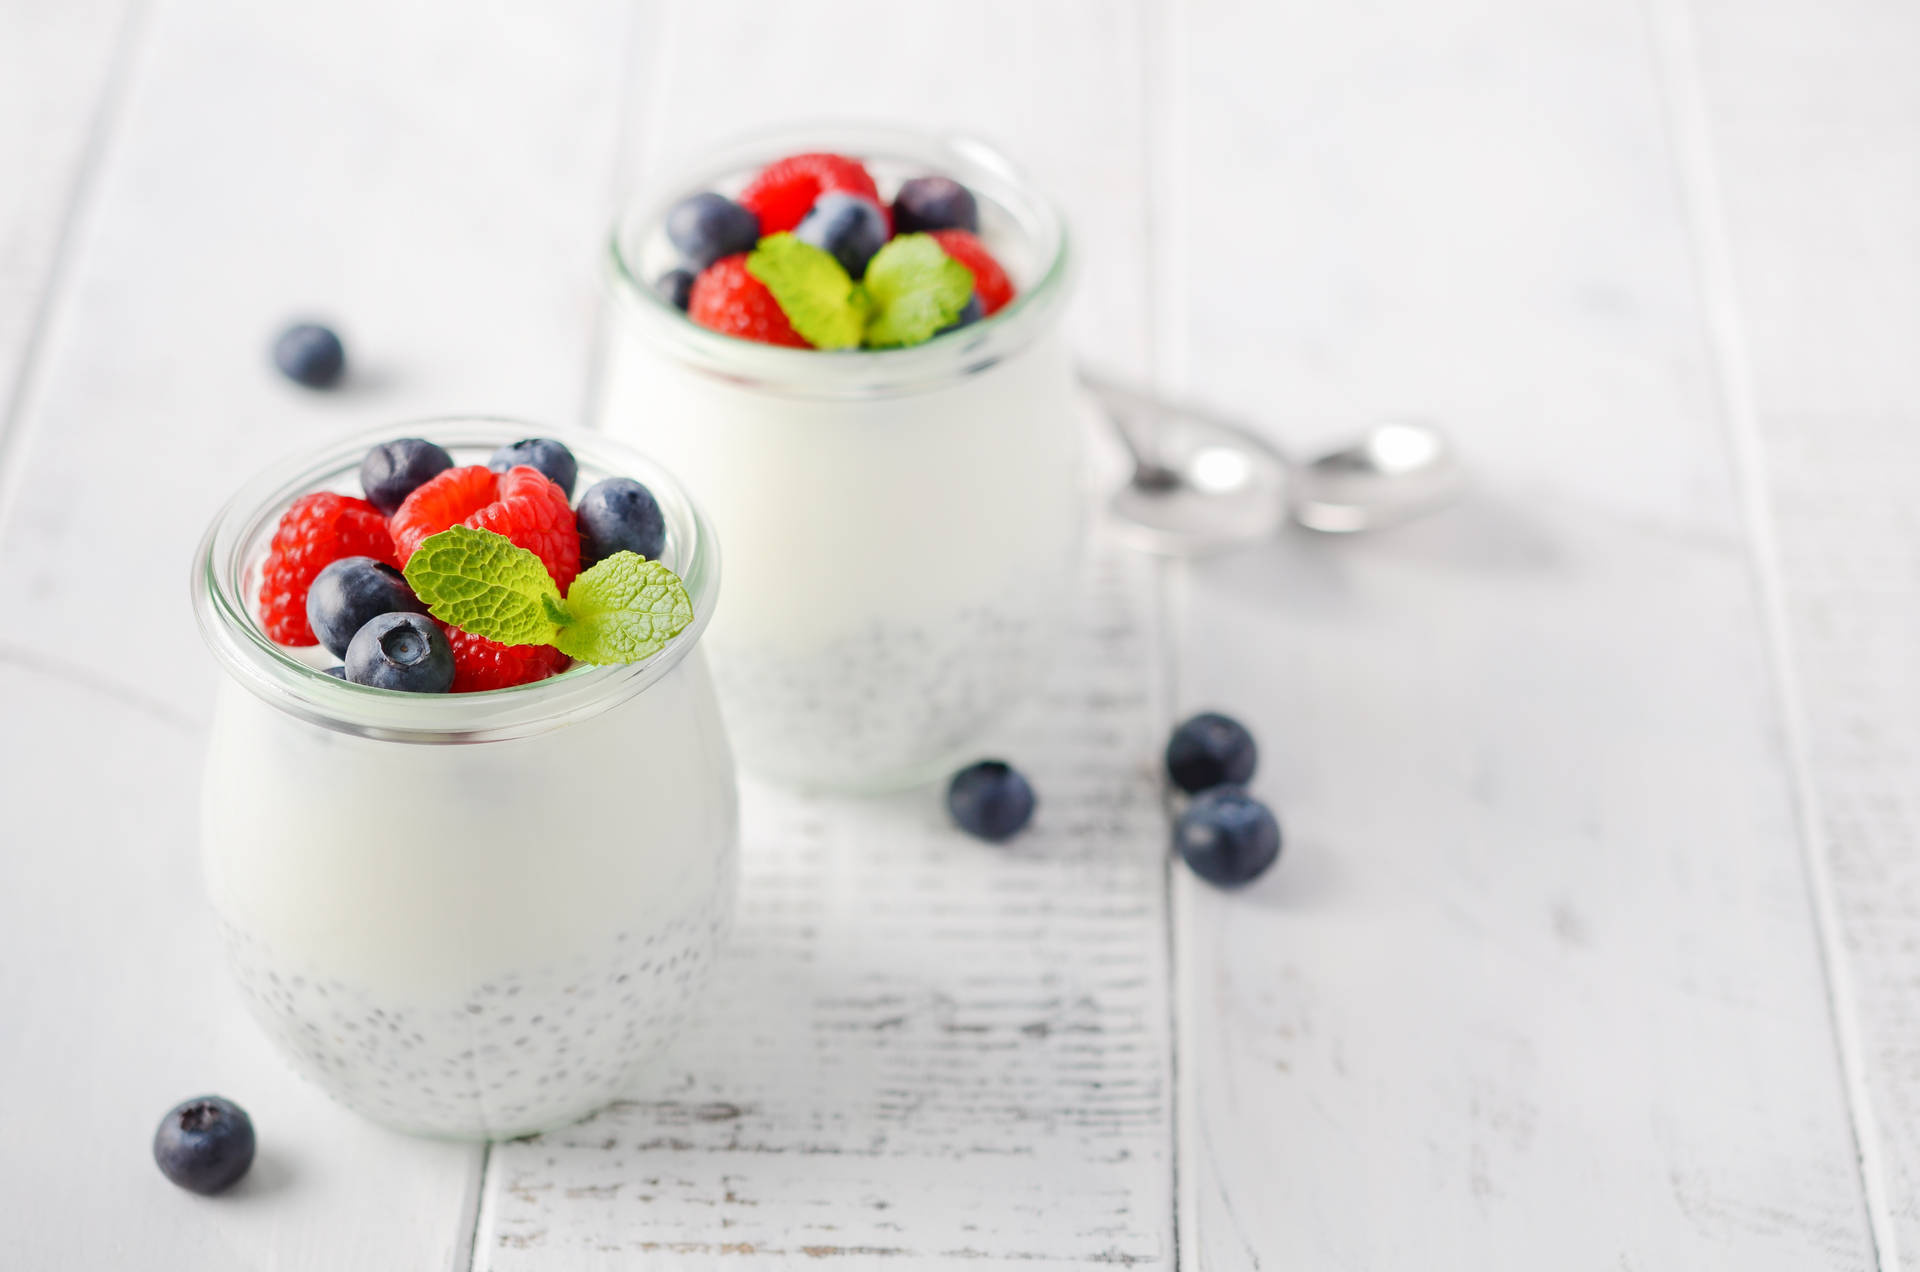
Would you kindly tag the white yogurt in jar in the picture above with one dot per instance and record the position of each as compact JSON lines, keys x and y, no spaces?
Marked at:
{"x":902,"y":526}
{"x":469,"y":915}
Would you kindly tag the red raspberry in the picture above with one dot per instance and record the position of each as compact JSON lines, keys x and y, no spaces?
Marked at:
{"x":784,"y":191}
{"x":479,"y":663}
{"x":523,"y":505}
{"x":990,"y":282}
{"x":441,"y":501}
{"x":317,"y":530}
{"x":727,"y":299}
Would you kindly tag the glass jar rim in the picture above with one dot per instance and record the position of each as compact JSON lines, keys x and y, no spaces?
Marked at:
{"x":856,"y":373}
{"x":224,"y":609}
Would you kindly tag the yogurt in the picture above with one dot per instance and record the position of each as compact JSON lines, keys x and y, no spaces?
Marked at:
{"x":467,"y":915}
{"x":902,"y":525}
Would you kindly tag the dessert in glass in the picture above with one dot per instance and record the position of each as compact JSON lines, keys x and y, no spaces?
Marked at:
{"x":472,"y":913}
{"x":901,"y":501}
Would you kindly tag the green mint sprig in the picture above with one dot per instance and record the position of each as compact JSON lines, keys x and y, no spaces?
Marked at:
{"x":915,"y":289}
{"x":911,"y":292}
{"x":624,"y":609}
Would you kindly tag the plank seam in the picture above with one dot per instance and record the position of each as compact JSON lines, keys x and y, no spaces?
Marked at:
{"x":1677,"y":73}
{"x":107,"y":113}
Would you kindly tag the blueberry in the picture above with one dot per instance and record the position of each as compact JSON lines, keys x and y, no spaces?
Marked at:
{"x":849,"y":228}
{"x":707,"y":226}
{"x":1227,"y":836}
{"x":310,"y":354}
{"x":1211,"y":750}
{"x":393,"y":470}
{"x":676,"y":285}
{"x":204,"y":1145}
{"x":620,"y":515}
{"x":401,"y":651}
{"x":543,"y":453}
{"x":352,"y":592}
{"x":990,"y":800}
{"x":338,"y":673}
{"x":934,"y":203}
{"x":971,"y":313}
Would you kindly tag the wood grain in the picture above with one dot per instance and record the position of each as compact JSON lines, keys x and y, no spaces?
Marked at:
{"x":57,"y":64}
{"x":923,"y":1049}
{"x":1806,"y":170}
{"x":1537,"y":982}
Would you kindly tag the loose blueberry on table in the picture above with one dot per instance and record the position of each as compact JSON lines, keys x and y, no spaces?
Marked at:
{"x":310,"y":354}
{"x":809,"y":256}
{"x":990,"y":800}
{"x":204,"y":1145}
{"x":1227,"y":836}
{"x":1211,"y":750}
{"x":476,"y":577}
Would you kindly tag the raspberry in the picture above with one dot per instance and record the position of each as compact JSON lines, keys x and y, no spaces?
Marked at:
{"x":441,"y":501}
{"x":727,"y":299}
{"x":317,"y":530}
{"x":990,"y":282}
{"x":533,"y":512}
{"x":520,"y":504}
{"x":785,"y":191}
{"x":479,"y":663}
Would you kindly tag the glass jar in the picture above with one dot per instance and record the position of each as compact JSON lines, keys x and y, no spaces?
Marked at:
{"x":468,"y":915}
{"x":903,"y":526}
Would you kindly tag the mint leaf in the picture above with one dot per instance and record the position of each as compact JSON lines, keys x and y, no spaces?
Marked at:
{"x":483,"y":583}
{"x":624,"y":609}
{"x":824,"y":305}
{"x":916,"y":289}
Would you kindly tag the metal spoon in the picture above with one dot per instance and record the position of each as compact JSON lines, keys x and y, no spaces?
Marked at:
{"x":1201,"y":483}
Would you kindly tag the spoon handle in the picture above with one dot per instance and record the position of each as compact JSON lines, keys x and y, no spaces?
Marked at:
{"x":1135,"y":412}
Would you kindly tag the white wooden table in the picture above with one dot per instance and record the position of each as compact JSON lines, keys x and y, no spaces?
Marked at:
{"x":1596,"y":943}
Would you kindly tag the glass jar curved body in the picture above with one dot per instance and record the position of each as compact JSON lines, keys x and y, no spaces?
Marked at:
{"x":466,"y":915}
{"x":903,"y":526}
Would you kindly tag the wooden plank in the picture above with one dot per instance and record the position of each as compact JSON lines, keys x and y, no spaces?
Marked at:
{"x":1808,"y":186}
{"x":434,"y":178}
{"x":923,"y":1048}
{"x":1537,"y":983}
{"x":55,"y":65}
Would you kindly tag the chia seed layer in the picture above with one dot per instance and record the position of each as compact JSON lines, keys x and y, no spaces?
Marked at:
{"x":514,"y":1054}
{"x":890,"y":698}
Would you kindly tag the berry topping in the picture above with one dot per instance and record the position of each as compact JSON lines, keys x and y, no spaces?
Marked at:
{"x":480,"y":664}
{"x":707,"y":226}
{"x":406,"y":652}
{"x":990,"y":282}
{"x":676,"y":286}
{"x":784,"y":192}
{"x":1227,"y":836}
{"x":204,"y":1145}
{"x":349,"y":593}
{"x":393,"y":470}
{"x":727,"y":299}
{"x":847,"y":227}
{"x":523,"y":505}
{"x":310,"y":354}
{"x":317,"y":530}
{"x":1211,"y":750}
{"x":620,"y":515}
{"x":542,"y":453}
{"x":990,"y":800}
{"x":934,"y":203}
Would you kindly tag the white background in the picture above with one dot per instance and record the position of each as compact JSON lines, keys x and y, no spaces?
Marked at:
{"x":1596,"y":942}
